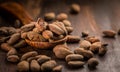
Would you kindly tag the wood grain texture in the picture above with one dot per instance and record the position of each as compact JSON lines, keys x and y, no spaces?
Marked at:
{"x":95,"y":16}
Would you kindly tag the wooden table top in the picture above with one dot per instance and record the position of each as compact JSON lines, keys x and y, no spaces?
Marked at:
{"x":95,"y":16}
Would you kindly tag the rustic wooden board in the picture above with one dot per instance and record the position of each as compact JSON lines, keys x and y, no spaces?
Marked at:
{"x":95,"y":16}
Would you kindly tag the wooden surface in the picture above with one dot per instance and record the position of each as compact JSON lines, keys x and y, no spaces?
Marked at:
{"x":95,"y":16}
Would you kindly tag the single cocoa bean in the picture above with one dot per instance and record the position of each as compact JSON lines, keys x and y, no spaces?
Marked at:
{"x":85,"y":33}
{"x":109,"y":33}
{"x":49,"y":16}
{"x":28,"y":27}
{"x":73,"y":39}
{"x":61,"y":16}
{"x":14,"y":38}
{"x":69,"y":29}
{"x":61,"y":52}
{"x":12,"y":52}
{"x":6,"y":47}
{"x":13,"y":58}
{"x":85,"y":44}
{"x":92,"y":62}
{"x":66,"y":23}
{"x":74,"y":57}
{"x":23,"y":66}
{"x":57,"y":68}
{"x":102,"y":51}
{"x":48,"y":66}
{"x":34,"y":66}
{"x":21,"y":43}
{"x":95,"y":47}
{"x":76,"y":63}
{"x":75,"y":8}
{"x":43,"y":59}
{"x":47,"y":34}
{"x":28,"y":54}
{"x":92,"y":39}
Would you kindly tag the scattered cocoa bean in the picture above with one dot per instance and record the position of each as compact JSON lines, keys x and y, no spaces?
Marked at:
{"x":109,"y":33}
{"x":85,"y":44}
{"x":6,"y":47}
{"x":75,"y":8}
{"x":61,"y":16}
{"x":87,"y":54}
{"x":73,"y":39}
{"x":43,"y":58}
{"x":14,"y":38}
{"x":21,"y":43}
{"x":49,"y":16}
{"x":47,"y":34}
{"x":27,"y":27}
{"x":76,"y":63}
{"x":92,"y":62}
{"x":69,"y":29}
{"x":67,"y":23}
{"x":85,"y":33}
{"x":48,"y":66}
{"x":92,"y":39}
{"x":95,"y":47}
{"x":28,"y":54}
{"x":57,"y":68}
{"x":13,"y":58}
{"x":102,"y":51}
{"x":23,"y":66}
{"x":34,"y":66}
{"x":74,"y":57}
{"x":61,"y":52}
{"x":12,"y":52}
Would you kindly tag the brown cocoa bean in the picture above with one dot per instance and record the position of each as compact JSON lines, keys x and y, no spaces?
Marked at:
{"x":13,"y":58}
{"x":61,"y":16}
{"x":48,"y":66}
{"x":109,"y":33}
{"x":66,"y":23}
{"x":85,"y":33}
{"x":30,"y":59}
{"x":12,"y":52}
{"x":73,"y":39}
{"x":47,"y":34}
{"x":27,"y":27}
{"x":57,"y":30}
{"x":43,"y":59}
{"x":85,"y":44}
{"x":28,"y":54}
{"x":23,"y":66}
{"x":49,"y":16}
{"x":74,"y":57}
{"x":75,"y":8}
{"x":76,"y":63}
{"x":61,"y":52}
{"x":6,"y":47}
{"x":95,"y":47}
{"x":57,"y":68}
{"x":24,"y":35}
{"x":14,"y":38}
{"x":69,"y":29}
{"x":34,"y":66}
{"x":92,"y":62}
{"x":102,"y":51}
